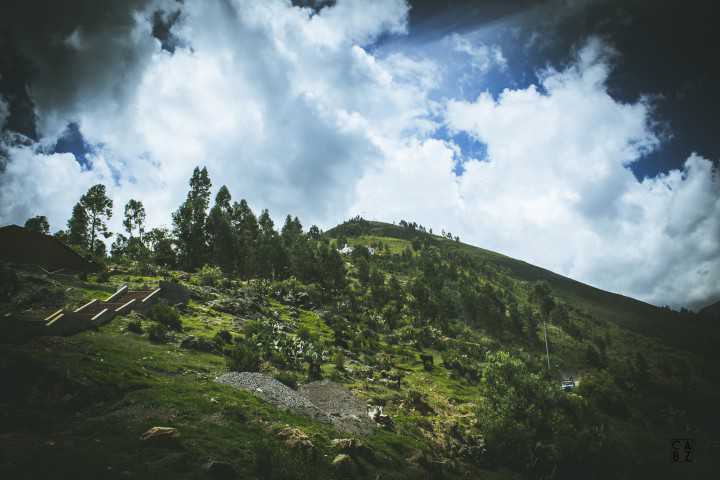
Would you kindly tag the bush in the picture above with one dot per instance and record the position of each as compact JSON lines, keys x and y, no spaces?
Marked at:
{"x":166,"y":315}
{"x":304,"y":333}
{"x":223,"y":337}
{"x":158,"y":333}
{"x":103,"y":276}
{"x":340,"y":361}
{"x":600,"y":387}
{"x":9,"y":283}
{"x":199,"y":344}
{"x":242,"y":358}
{"x":287,"y":378}
{"x":135,"y":327}
{"x":210,"y":275}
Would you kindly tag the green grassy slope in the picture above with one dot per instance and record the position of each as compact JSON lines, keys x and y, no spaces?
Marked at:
{"x":487,"y":408}
{"x":681,"y":331}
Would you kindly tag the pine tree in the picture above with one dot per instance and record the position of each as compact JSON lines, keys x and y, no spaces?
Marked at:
{"x":189,"y":221}
{"x":272,"y":258}
{"x":314,"y":233}
{"x":246,"y":231}
{"x":221,"y":240}
{"x":332,"y":268}
{"x":77,"y":233}
{"x":39,"y":224}
{"x":363,"y":269}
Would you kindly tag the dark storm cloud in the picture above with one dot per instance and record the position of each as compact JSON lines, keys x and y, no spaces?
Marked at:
{"x":163,"y":23}
{"x":67,"y":53}
{"x":667,"y":53}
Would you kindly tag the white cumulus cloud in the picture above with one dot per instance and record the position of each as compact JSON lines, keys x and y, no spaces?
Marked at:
{"x":556,"y":189}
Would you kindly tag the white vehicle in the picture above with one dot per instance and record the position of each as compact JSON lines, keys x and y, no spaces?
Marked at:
{"x":568,"y":384}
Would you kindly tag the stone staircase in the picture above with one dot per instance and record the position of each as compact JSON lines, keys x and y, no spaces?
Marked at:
{"x":99,"y":312}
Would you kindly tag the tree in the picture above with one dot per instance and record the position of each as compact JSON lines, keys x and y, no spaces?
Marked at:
{"x":98,"y":208}
{"x":78,"y":227}
{"x":119,"y":246}
{"x":377,"y":288}
{"x":189,"y":221}
{"x":291,"y":231}
{"x":161,"y":246}
{"x":246,"y":230}
{"x":314,"y":233}
{"x":333,"y":268}
{"x":519,"y":413}
{"x":134,"y":217}
{"x":363,"y":269}
{"x":221,"y":240}
{"x":272,"y":257}
{"x":39,"y":224}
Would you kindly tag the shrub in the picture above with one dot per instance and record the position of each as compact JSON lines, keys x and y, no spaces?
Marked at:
{"x":158,"y":333}
{"x":199,"y":344}
{"x":287,"y":378}
{"x":384,"y":361}
{"x":9,"y":282}
{"x":166,"y":315}
{"x":103,"y":276}
{"x":223,"y":336}
{"x":210,"y":275}
{"x":600,"y":387}
{"x":340,"y":361}
{"x":241,"y":358}
{"x":135,"y":327}
{"x":304,"y":333}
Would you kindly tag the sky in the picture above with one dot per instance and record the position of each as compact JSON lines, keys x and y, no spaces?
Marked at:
{"x":577,"y":135}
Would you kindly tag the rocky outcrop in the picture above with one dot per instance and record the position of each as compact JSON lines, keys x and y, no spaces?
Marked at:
{"x":160,"y":434}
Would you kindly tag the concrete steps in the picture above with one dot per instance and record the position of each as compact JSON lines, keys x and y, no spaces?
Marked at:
{"x":98,"y":312}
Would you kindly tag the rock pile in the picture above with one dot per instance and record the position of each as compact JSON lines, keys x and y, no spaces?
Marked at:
{"x":322,"y":400}
{"x":273,"y":392}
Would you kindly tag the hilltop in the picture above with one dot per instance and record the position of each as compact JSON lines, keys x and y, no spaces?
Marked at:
{"x":442,"y":342}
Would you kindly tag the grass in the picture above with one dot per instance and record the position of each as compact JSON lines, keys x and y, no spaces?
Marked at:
{"x":120,"y":384}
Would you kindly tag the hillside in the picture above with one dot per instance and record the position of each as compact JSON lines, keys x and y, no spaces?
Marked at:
{"x":445,"y":339}
{"x":672,"y":327}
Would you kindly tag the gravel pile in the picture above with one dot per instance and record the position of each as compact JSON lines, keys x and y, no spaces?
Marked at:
{"x":347,"y":412}
{"x":323,"y":400}
{"x":272,"y":391}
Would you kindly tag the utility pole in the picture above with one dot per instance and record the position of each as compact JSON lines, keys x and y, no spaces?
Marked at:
{"x":547,"y":350}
